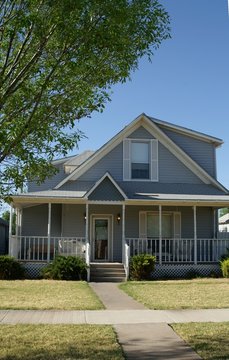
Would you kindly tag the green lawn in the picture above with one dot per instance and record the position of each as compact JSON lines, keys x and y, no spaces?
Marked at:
{"x":55,"y":342}
{"x":209,"y":340}
{"x":48,"y":294}
{"x":180,"y":294}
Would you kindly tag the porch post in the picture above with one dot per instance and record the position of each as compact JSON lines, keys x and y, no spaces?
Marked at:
{"x":86,"y":236}
{"x":160,"y":234}
{"x":123,"y":232}
{"x":88,"y":251}
{"x":10,"y":232}
{"x":49,"y":231}
{"x":195,"y":234}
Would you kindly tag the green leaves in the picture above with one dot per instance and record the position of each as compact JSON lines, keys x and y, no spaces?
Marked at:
{"x":58,"y":61}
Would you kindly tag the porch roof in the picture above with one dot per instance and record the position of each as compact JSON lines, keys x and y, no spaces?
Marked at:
{"x":140,"y":198}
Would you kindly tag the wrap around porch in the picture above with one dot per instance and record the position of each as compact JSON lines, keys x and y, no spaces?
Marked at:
{"x":157,"y":230}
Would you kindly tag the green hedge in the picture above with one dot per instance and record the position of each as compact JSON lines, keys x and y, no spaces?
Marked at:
{"x":66,"y":268}
{"x":142,"y":266}
{"x":10,"y":269}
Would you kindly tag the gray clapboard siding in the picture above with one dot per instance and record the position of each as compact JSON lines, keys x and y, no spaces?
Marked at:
{"x":205,"y":220}
{"x":171,"y":170}
{"x":49,"y":183}
{"x":73,"y":222}
{"x":140,"y":133}
{"x":200,"y":151}
{"x":111,"y":163}
{"x":106,"y":191}
{"x":4,"y":237}
{"x":35,"y":220}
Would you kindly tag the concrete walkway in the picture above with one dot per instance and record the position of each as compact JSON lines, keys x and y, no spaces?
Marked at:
{"x":149,"y":338}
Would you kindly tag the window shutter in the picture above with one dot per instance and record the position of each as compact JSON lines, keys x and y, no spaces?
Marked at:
{"x":154,"y":159}
{"x":142,"y":224}
{"x":177,"y":225}
{"x":126,"y":159}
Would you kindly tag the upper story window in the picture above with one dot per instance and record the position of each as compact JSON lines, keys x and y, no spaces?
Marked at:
{"x":140,"y":167}
{"x":140,"y":160}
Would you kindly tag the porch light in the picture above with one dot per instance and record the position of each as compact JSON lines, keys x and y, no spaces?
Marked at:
{"x":85,"y":217}
{"x":118,"y":218}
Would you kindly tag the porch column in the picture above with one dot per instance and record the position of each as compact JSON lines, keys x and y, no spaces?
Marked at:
{"x":11,"y":245}
{"x":49,"y":231}
{"x":195,"y":234}
{"x":86,"y":235}
{"x":123,"y":232}
{"x":160,"y":234}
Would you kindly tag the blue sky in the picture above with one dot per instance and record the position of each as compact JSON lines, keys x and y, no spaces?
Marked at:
{"x":187,"y":82}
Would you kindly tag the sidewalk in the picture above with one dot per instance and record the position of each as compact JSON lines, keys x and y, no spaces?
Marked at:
{"x":112,"y":317}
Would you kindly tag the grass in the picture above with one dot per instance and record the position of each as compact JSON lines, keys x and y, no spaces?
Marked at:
{"x":209,"y":340}
{"x":180,"y":294}
{"x":52,"y":342}
{"x":48,"y":294}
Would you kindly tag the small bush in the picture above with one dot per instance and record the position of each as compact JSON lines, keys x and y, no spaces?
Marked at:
{"x":66,"y":268}
{"x":225,"y":267}
{"x":10,"y":269}
{"x":142,"y":266}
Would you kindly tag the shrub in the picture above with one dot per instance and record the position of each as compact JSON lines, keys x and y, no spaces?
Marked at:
{"x":142,"y":266}
{"x":225,"y":267}
{"x":66,"y":268}
{"x":10,"y":269}
{"x":226,"y":255}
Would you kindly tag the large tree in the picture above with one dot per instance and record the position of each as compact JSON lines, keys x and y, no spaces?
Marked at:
{"x":58,"y":61}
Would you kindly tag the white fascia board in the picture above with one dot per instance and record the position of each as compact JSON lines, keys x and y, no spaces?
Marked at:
{"x":181,"y":155}
{"x":104,"y":150}
{"x":106,"y":175}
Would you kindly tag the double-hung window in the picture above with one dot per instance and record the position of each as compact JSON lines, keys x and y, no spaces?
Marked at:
{"x":149,"y":225}
{"x":140,"y":159}
{"x":140,"y":166}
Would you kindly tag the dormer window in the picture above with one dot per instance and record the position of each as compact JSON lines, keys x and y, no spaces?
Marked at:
{"x":140,"y":160}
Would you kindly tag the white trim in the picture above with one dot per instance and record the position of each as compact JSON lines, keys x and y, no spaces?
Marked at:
{"x":110,"y":219}
{"x":49,"y":231}
{"x":153,"y":159}
{"x":160,"y":234}
{"x":106,"y":175}
{"x":195,"y":234}
{"x":153,"y":129}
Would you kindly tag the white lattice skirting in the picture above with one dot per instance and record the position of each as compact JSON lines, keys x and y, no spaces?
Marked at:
{"x":172,"y":271}
{"x":33,"y":269}
{"x":164,"y":271}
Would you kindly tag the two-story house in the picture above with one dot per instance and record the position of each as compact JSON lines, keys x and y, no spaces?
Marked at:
{"x":151,"y":189}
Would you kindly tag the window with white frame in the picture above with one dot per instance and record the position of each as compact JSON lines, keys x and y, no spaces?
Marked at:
{"x":149,"y":224}
{"x":140,"y":159}
{"x":140,"y":167}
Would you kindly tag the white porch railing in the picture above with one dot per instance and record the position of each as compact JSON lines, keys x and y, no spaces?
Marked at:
{"x":180,"y":250}
{"x":126,"y":259}
{"x":37,"y":248}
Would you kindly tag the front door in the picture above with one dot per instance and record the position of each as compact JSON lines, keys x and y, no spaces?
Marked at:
{"x":101,"y":235}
